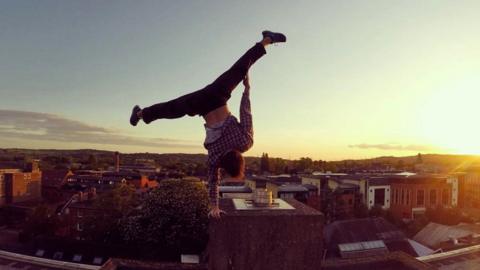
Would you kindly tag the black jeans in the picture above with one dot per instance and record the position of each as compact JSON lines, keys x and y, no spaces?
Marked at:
{"x":209,"y":98}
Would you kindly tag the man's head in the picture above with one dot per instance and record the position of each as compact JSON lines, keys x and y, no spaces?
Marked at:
{"x":233,"y":164}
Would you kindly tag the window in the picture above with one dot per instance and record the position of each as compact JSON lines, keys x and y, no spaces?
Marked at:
{"x":407,"y":202}
{"x":77,"y":258}
{"x":403,"y":196}
{"x":40,"y":252}
{"x":433,"y":197}
{"x":380,"y":196}
{"x":97,"y":260}
{"x":350,"y":201}
{"x":58,"y":255}
{"x":445,"y":197}
{"x":420,"y":197}
{"x":286,"y":195}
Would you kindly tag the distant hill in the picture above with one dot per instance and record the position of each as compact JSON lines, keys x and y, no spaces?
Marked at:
{"x":446,"y":163}
{"x":54,"y":156}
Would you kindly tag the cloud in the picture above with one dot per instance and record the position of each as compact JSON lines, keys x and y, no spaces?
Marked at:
{"x":50,"y":127}
{"x":392,"y":146}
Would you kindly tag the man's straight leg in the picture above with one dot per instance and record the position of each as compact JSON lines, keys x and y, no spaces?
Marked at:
{"x":176,"y":108}
{"x":209,"y":98}
{"x":233,"y":76}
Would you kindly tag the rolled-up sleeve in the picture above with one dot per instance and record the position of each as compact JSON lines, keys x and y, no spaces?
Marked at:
{"x":213,"y":180}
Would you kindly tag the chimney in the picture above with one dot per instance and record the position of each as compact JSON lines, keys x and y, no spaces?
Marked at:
{"x":32,"y":166}
{"x":80,"y":196}
{"x":117,"y":161}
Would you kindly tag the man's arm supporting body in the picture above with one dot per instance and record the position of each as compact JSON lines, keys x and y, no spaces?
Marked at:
{"x":245,"y":109}
{"x":213,"y":170}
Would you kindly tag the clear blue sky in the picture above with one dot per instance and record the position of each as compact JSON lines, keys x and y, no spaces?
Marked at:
{"x":355,"y":79}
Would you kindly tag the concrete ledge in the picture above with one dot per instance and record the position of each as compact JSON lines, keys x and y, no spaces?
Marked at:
{"x":127,"y":264}
{"x":393,"y":260}
{"x":266,"y":239}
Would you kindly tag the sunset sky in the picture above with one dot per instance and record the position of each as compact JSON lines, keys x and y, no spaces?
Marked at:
{"x":355,"y":79}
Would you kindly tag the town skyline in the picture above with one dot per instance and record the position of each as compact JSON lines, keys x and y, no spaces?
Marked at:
{"x":354,"y":81}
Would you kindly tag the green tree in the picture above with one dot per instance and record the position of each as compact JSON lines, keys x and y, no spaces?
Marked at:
{"x":173,"y":218}
{"x":277,"y":165}
{"x":265,"y":163}
{"x":304,"y":163}
{"x":109,"y":208}
{"x":41,"y":221}
{"x":419,"y":159}
{"x":400,"y":165}
{"x":92,"y":161}
{"x":360,"y":211}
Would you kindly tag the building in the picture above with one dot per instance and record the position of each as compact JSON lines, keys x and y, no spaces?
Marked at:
{"x":52,"y":183}
{"x":460,"y":259}
{"x":17,"y":185}
{"x":11,"y":260}
{"x":107,"y":180}
{"x":392,"y":261}
{"x":74,"y":212}
{"x":470,"y":188}
{"x":438,"y":236}
{"x":355,"y":238}
{"x":413,"y":195}
{"x":337,"y":194}
{"x":377,"y":192}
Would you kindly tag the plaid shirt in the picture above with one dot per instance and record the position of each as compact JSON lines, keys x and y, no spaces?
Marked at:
{"x":235,"y":136}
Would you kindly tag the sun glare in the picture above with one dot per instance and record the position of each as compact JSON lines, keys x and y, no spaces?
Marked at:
{"x":449,"y":118}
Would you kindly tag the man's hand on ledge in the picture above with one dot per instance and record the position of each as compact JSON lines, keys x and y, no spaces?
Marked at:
{"x":216,"y":212}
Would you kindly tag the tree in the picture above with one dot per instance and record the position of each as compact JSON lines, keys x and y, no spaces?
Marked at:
{"x":400,"y":165}
{"x":92,"y":162}
{"x":304,"y":163}
{"x":277,"y":165}
{"x":173,"y":219}
{"x":109,"y":209}
{"x":419,"y":159}
{"x":265,"y":163}
{"x":360,"y":211}
{"x":42,"y":221}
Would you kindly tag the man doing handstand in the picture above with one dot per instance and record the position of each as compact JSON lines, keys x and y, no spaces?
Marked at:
{"x":226,"y":138}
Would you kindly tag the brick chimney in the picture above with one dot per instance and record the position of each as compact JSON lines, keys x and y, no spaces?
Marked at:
{"x":32,"y":166}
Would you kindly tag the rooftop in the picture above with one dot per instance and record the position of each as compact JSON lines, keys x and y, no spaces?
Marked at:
{"x":390,"y":261}
{"x":13,"y":261}
{"x":464,"y":258}
{"x":434,"y":234}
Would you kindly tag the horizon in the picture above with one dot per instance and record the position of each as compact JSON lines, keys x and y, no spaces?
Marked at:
{"x":354,"y":80}
{"x":246,"y":156}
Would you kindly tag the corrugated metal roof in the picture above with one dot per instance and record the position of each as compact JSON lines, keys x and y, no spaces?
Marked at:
{"x":360,"y":230}
{"x":420,"y":249}
{"x":433,"y":234}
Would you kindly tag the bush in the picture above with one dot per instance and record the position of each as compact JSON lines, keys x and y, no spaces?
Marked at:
{"x":173,"y":219}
